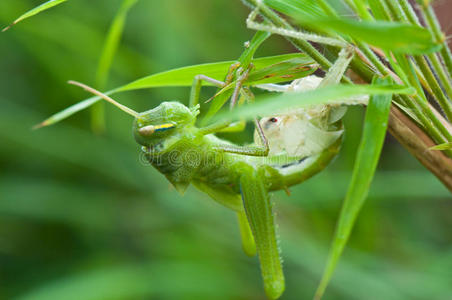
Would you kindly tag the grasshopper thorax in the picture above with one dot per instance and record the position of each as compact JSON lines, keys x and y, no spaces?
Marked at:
{"x":154,"y":126}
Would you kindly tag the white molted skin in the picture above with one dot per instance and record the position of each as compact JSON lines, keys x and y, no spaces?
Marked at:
{"x":304,"y":131}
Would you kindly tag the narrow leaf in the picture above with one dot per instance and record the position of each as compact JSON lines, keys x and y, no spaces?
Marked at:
{"x":284,"y":71}
{"x":184,"y":76}
{"x":247,"y":55}
{"x":71,"y":110}
{"x":445,"y":146}
{"x":108,"y":52}
{"x":378,"y":10}
{"x":112,"y":42}
{"x":244,"y":60}
{"x":336,"y":94}
{"x":296,"y":8}
{"x":35,"y":11}
{"x":391,"y":36}
{"x":375,"y":126}
{"x":220,"y":99}
{"x":176,"y":77}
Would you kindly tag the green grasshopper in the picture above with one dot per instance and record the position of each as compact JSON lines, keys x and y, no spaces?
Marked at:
{"x":289,"y":147}
{"x":238,"y":177}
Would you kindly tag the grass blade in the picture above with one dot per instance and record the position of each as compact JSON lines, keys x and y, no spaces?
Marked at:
{"x":296,"y":7}
{"x":375,"y":126}
{"x":176,"y":77}
{"x":112,"y":42}
{"x":287,"y":70}
{"x":257,"y":40}
{"x":441,"y":147}
{"x":281,"y":72}
{"x":184,"y":76}
{"x":244,"y":60}
{"x":71,"y":110}
{"x":35,"y":11}
{"x":326,"y":95}
{"x":411,"y":39}
{"x":103,"y":69}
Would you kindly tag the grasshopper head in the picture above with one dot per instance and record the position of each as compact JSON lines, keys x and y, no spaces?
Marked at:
{"x":154,"y":126}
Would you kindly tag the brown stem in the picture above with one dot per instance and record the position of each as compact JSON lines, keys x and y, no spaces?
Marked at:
{"x":417,"y":142}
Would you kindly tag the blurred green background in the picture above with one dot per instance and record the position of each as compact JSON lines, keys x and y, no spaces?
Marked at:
{"x":82,"y":218}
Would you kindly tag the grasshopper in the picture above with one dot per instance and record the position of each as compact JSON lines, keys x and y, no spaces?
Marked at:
{"x":288,"y":148}
{"x":238,"y":177}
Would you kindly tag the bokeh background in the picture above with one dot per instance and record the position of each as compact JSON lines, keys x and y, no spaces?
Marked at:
{"x":82,"y":218}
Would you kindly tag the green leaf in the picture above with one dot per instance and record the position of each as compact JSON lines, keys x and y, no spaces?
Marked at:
{"x":247,"y":55}
{"x":176,"y":77}
{"x":280,"y":72}
{"x":336,"y":94}
{"x":220,"y":99}
{"x":70,"y":111}
{"x":112,"y":41}
{"x":184,"y":76}
{"x":423,"y":2}
{"x":108,"y":52}
{"x":375,"y":126}
{"x":410,"y":39}
{"x":445,"y":146}
{"x":244,"y":60}
{"x":35,"y":11}
{"x":362,"y":9}
{"x":378,"y":11}
{"x":391,"y":36}
{"x":296,"y":8}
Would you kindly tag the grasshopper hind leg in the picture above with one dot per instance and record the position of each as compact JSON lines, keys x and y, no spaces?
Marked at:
{"x":258,"y":209}
{"x":246,"y":234}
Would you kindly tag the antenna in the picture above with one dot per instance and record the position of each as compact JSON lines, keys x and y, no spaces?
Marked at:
{"x":105,"y":97}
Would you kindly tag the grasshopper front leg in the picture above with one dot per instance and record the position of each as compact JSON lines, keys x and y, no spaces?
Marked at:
{"x":198,"y":79}
{"x":244,"y":150}
{"x":258,"y":208}
{"x":196,"y":87}
{"x":249,"y":150}
{"x":195,"y":94}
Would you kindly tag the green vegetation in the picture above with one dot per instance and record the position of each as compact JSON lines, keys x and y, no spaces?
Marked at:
{"x":83,"y":216}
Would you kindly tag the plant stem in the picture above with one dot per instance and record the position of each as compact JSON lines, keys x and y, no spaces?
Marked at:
{"x":419,"y":105}
{"x":433,"y":83}
{"x":383,"y":9}
{"x":362,"y":10}
{"x":434,"y":26}
{"x":302,"y":45}
{"x":433,"y":57}
{"x":427,"y":117}
{"x":362,"y":46}
{"x":438,"y":93}
{"x":418,"y":143}
{"x":327,"y":8}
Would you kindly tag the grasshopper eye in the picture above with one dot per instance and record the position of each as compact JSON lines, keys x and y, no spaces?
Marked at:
{"x":270,"y":122}
{"x":147,"y":130}
{"x":150,"y":129}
